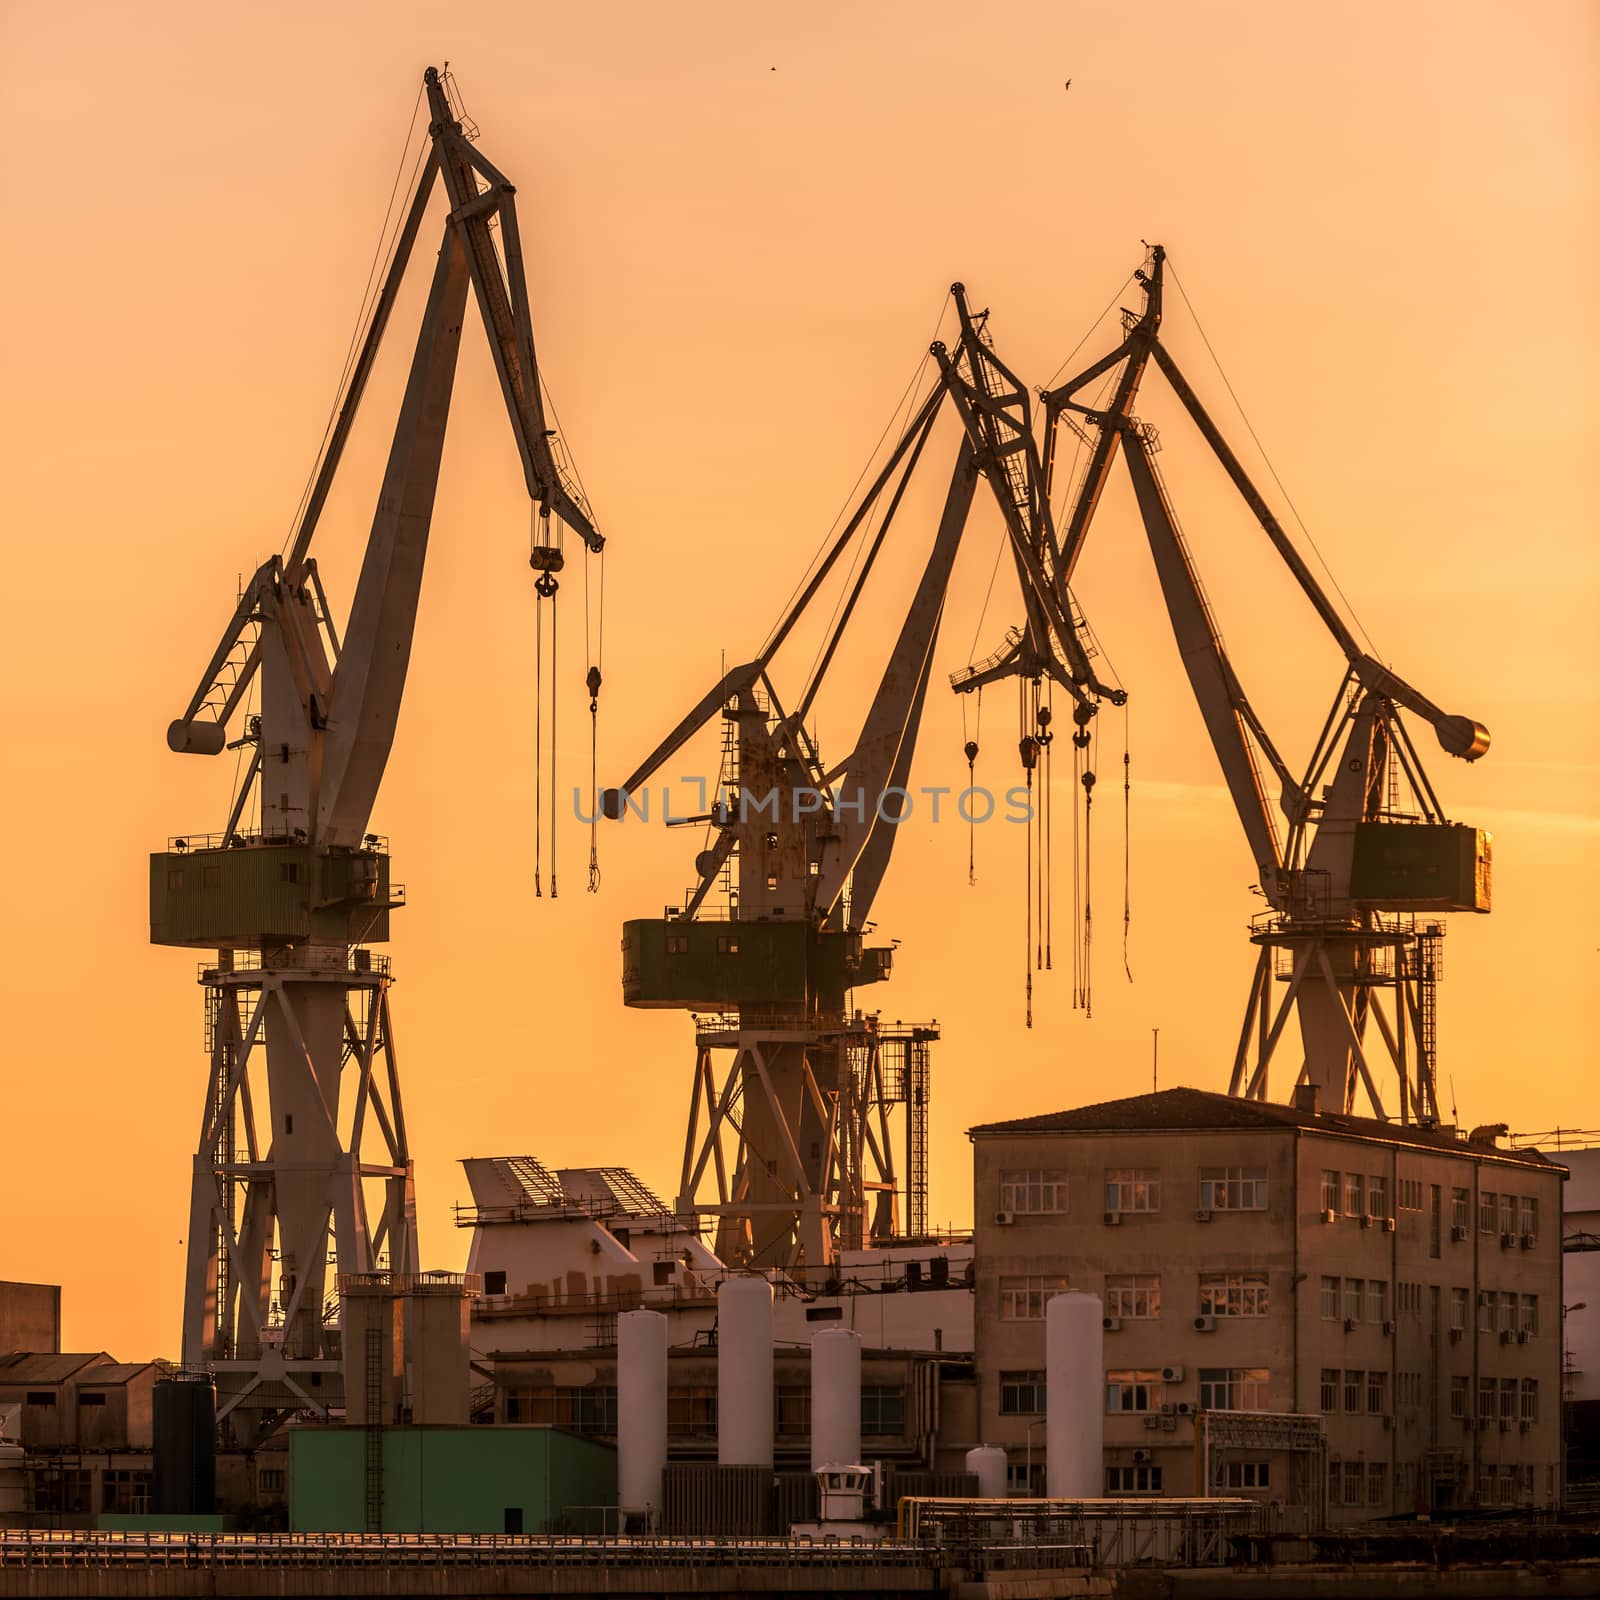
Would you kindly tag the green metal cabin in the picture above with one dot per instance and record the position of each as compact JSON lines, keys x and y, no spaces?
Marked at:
{"x":707,"y":965}
{"x":1421,"y":866}
{"x":252,"y":894}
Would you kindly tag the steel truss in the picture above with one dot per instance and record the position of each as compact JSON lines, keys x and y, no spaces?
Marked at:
{"x":283,"y":1171}
{"x":795,"y":1132}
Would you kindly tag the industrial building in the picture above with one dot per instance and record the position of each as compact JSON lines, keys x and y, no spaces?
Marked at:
{"x":1398,"y":1285}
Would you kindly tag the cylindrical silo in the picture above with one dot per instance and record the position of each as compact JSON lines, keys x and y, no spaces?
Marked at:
{"x":744,"y":1373}
{"x":835,"y":1399}
{"x":988,"y":1465}
{"x":641,"y":1409}
{"x":1075,"y":1404}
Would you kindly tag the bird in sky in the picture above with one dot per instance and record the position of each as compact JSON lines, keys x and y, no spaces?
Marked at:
{"x":1069,"y":83}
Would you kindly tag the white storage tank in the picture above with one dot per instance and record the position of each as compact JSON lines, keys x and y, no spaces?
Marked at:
{"x":744,"y":1372}
{"x":1074,"y":1344}
{"x":641,"y":1410}
{"x":988,"y":1465}
{"x":835,"y":1399}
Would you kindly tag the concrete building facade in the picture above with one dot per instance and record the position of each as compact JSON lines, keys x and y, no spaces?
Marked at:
{"x":1401,"y":1286}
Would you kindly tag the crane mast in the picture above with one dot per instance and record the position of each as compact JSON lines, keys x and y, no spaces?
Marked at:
{"x":303,"y":1161}
{"x":1349,"y":855}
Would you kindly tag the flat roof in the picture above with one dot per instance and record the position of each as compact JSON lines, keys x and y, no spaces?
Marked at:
{"x":1185,"y":1110}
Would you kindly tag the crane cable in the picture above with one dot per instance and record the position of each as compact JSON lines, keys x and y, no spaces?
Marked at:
{"x":594,"y":651}
{"x":1127,"y":842}
{"x":546,"y":559}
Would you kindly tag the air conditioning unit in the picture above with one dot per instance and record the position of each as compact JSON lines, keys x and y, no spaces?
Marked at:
{"x":1140,"y":1457}
{"x":1368,"y":1220}
{"x":1522,"y":1335}
{"x":1152,"y":1422}
{"x":1349,"y":1324}
{"x":1505,"y":1425}
{"x":1507,"y":1240}
{"x":1457,"y":1233}
{"x":1172,"y":1374}
{"x":1388,"y":1224}
{"x":1456,"y":1335}
{"x":1528,"y":1241}
{"x":1330,"y":1216}
{"x":1004,"y":1219}
{"x":1111,"y":1324}
{"x":1205,"y":1324}
{"x":1388,"y":1327}
{"x":1388,"y":1423}
{"x":1202,"y":1215}
{"x":1524,"y":1425}
{"x":1113,"y":1219}
{"x":1169,"y":1409}
{"x":1505,"y":1336}
{"x":1186,"y":1408}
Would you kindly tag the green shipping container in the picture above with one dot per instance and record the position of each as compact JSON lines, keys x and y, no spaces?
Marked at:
{"x":1421,"y":866}
{"x":503,"y":1479}
{"x":272,"y":894}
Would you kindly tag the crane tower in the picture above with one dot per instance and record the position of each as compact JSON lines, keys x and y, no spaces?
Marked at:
{"x":303,"y":1161}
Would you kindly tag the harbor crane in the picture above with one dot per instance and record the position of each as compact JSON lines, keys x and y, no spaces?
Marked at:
{"x":1354,"y":856}
{"x":302,"y":1112}
{"x":795,"y":1132}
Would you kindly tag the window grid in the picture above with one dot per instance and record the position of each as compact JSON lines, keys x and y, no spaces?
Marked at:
{"x":1233,"y":1188}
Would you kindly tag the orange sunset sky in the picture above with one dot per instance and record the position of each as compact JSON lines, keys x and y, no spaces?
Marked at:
{"x":740,"y":222}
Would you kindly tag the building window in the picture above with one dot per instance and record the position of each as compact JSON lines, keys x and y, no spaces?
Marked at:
{"x":1330,"y":1299}
{"x":1460,"y":1209}
{"x":1488,"y":1211}
{"x":883,"y":1410}
{"x":1508,"y":1214}
{"x":1353,"y":1193}
{"x":1233,"y":1388}
{"x":677,"y":944}
{"x":1408,"y":1388}
{"x":41,"y":1397}
{"x":1133,"y":1189}
{"x":1033,"y":1192}
{"x":1133,"y":1480}
{"x":1023,"y":1299}
{"x":1233,"y":1188}
{"x":1353,"y":1288}
{"x":1330,"y":1190}
{"x":125,"y":1490}
{"x":727,"y":944}
{"x":587,"y":1410}
{"x":1246,"y":1475}
{"x":1377,"y":1393}
{"x":1022,"y":1394}
{"x":1330,"y":1388}
{"x":1458,"y":1396}
{"x":1133,"y":1390}
{"x":1025,"y":1478}
{"x":1354,"y":1476}
{"x":1530,"y":1314}
{"x":1530,"y":1399}
{"x":1408,"y":1194}
{"x":1528,"y":1216}
{"x":1486,"y":1397}
{"x":792,"y":1408}
{"x":1508,"y":1311}
{"x":1376,"y":1473}
{"x":1486,"y":1311}
{"x":271,"y":1480}
{"x":1335,"y":1484}
{"x":1352,"y":1388}
{"x":494,"y":1283}
{"x":1508,"y":1399}
{"x":98,"y":1399}
{"x":1377,"y":1300}
{"x":1458,"y":1310}
{"x":692,"y":1411}
{"x":1377,"y":1196}
{"x":1233,"y":1294}
{"x":1408,"y":1298}
{"x":1133,"y":1295}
